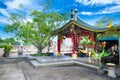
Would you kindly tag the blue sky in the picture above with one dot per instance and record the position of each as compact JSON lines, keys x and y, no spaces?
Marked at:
{"x":89,"y":10}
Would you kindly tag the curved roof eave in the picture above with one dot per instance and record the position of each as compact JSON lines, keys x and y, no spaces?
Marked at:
{"x":86,"y":26}
{"x":81,"y":24}
{"x":90,"y":29}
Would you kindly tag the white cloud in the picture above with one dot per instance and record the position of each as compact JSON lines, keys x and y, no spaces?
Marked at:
{"x":4,"y":21}
{"x":86,"y":13}
{"x":4,"y":35}
{"x":110,"y":10}
{"x":26,"y":4}
{"x":98,"y":2}
{"x":4,"y":12}
{"x":15,"y":3}
{"x":13,"y":7}
{"x":103,"y":11}
{"x":107,"y":10}
{"x":92,"y":21}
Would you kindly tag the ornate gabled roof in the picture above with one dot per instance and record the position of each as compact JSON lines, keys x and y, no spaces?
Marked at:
{"x":81,"y":25}
{"x":89,"y":27}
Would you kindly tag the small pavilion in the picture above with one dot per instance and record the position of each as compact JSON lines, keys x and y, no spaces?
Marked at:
{"x":75,"y":29}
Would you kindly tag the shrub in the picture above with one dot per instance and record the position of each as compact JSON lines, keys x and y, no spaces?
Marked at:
{"x":42,"y":54}
{"x":37,"y":54}
{"x":7,"y":49}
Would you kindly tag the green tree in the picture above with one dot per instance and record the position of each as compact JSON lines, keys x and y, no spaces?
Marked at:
{"x":104,"y":21}
{"x":1,"y":40}
{"x":37,"y":32}
{"x":7,"y":49}
{"x":111,"y":29}
{"x":10,"y":41}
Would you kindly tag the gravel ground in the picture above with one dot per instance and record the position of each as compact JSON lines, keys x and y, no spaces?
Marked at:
{"x":17,"y":69}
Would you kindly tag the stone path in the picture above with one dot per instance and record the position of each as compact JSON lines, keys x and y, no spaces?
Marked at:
{"x":10,"y":70}
{"x":21,"y":69}
{"x":61,"y":73}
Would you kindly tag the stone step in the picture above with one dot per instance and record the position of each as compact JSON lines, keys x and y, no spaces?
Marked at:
{"x":57,"y":63}
{"x":37,"y":64}
{"x":34,"y":63}
{"x":86,"y":65}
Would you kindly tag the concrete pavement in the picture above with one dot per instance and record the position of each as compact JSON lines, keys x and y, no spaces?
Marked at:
{"x":10,"y":70}
{"x":21,"y":69}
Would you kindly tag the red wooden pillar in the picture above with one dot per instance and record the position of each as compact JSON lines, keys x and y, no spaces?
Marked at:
{"x":74,"y":55}
{"x":95,"y":40}
{"x":73,"y":45}
{"x":59,"y":43}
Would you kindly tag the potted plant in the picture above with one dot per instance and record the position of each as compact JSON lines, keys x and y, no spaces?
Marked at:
{"x":101,"y":55}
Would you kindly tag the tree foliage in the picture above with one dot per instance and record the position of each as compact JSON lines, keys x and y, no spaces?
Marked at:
{"x":113,"y":30}
{"x":37,"y":32}
{"x":1,"y":40}
{"x":7,"y":49}
{"x":104,"y":21}
{"x":9,"y":41}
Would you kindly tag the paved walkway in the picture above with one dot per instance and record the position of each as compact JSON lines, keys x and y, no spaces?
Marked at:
{"x":21,"y":69}
{"x":10,"y":70}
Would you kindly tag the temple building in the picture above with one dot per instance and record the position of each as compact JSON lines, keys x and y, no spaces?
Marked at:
{"x":78,"y":31}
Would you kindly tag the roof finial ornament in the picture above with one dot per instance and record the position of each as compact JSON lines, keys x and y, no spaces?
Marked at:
{"x":74,"y":14}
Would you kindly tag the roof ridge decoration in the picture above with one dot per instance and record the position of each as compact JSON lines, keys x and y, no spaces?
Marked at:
{"x":88,"y":26}
{"x":74,"y":14}
{"x":76,"y":20}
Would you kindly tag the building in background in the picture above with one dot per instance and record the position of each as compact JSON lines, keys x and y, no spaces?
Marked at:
{"x":27,"y":49}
